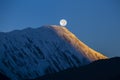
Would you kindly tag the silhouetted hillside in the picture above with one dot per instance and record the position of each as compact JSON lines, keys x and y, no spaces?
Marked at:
{"x":3,"y":77}
{"x":106,"y":69}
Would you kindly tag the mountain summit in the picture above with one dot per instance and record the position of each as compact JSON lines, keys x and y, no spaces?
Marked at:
{"x":30,"y":53}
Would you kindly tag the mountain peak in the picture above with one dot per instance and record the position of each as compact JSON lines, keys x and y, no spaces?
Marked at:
{"x":79,"y":45}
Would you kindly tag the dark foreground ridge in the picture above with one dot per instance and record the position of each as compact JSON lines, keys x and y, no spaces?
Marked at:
{"x":3,"y":77}
{"x":106,"y":69}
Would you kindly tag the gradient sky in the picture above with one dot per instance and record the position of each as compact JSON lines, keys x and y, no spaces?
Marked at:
{"x":95,"y":22}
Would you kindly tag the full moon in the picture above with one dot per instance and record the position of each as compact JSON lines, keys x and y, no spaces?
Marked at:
{"x":63,"y":22}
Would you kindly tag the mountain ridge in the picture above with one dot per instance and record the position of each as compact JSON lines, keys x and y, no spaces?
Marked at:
{"x":79,"y":45}
{"x":105,"y":69}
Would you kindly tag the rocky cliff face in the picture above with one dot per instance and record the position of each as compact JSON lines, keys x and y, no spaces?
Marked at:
{"x":29,"y":53}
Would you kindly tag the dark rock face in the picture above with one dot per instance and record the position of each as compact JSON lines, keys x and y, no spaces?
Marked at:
{"x":106,"y":69}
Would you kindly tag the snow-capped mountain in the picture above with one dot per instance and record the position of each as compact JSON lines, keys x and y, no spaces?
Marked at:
{"x":30,"y":53}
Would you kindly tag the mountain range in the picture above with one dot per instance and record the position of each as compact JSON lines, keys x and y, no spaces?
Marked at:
{"x":32,"y":53}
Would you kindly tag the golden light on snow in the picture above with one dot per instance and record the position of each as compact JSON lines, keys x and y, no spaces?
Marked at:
{"x":63,"y":22}
{"x":85,"y":50}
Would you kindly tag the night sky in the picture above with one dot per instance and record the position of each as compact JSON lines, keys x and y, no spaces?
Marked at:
{"x":95,"y":22}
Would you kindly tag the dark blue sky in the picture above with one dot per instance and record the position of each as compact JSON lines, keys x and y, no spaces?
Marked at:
{"x":95,"y":22}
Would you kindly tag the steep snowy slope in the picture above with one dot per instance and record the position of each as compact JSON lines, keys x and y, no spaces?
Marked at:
{"x":78,"y":45}
{"x":29,"y":53}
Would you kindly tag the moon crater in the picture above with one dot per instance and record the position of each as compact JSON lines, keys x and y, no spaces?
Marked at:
{"x":63,"y":22}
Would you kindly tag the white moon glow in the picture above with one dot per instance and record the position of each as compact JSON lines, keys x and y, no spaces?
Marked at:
{"x":63,"y":22}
